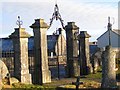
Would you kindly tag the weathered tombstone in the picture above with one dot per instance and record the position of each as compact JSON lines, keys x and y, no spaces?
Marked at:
{"x":95,"y":65}
{"x":108,"y":68}
{"x":85,"y":66}
{"x":13,"y":80}
{"x":96,"y":60}
{"x":3,"y":72}
{"x":20,"y":45}
{"x":72,"y":49}
{"x":42,"y":73}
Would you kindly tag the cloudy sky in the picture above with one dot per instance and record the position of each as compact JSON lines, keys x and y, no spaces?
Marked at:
{"x":89,"y":15}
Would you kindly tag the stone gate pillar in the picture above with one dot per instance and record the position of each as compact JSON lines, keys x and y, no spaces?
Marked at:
{"x":72,"y":49}
{"x":42,"y":73}
{"x":20,"y":45}
{"x":85,"y":66}
{"x":108,"y":68}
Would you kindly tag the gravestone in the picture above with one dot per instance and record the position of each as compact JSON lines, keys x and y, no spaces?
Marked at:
{"x":72,"y":49}
{"x":85,"y":66}
{"x":42,"y":73}
{"x":108,"y":68}
{"x":20,"y":45}
{"x":96,"y":60}
{"x":3,"y":72}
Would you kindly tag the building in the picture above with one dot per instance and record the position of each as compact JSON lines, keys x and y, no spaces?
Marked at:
{"x":54,"y":42}
{"x":103,"y":40}
{"x":113,"y":38}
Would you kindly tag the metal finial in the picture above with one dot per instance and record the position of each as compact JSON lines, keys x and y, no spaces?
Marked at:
{"x":19,"y":22}
{"x":56,"y":15}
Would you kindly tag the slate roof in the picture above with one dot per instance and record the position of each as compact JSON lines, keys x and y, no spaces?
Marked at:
{"x":93,"y":48}
{"x":116,"y":31}
{"x":7,"y":45}
{"x":51,"y":41}
{"x":31,"y":43}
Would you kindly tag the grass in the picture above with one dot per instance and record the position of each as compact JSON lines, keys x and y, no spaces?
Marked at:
{"x":86,"y":84}
{"x":90,"y":81}
{"x":98,"y":75}
{"x":21,"y":86}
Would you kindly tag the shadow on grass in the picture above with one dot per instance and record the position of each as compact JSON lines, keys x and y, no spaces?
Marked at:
{"x":59,"y":88}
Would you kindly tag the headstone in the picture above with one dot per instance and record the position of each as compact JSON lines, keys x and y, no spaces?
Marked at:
{"x":13,"y":80}
{"x":42,"y":73}
{"x":3,"y":72}
{"x":85,"y":66}
{"x":72,"y":49}
{"x":96,"y":60}
{"x":108,"y":68}
{"x":20,"y":45}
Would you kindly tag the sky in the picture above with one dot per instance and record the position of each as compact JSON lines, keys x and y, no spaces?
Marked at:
{"x":88,"y":15}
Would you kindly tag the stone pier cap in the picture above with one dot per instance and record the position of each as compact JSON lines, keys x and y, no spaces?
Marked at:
{"x":19,"y":33}
{"x":71,"y":25}
{"x":39,"y":23}
{"x":83,"y":34}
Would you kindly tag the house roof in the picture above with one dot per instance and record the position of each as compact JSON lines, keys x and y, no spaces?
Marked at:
{"x":6,"y":44}
{"x":116,"y":31}
{"x":93,"y":48}
{"x":51,"y":41}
